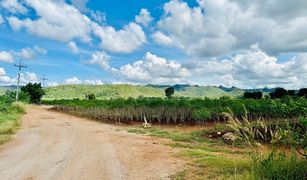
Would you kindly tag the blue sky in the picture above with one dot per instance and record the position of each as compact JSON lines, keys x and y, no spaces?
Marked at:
{"x":205,"y":42}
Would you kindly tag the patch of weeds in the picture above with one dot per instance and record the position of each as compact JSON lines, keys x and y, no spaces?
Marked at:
{"x":137,"y":131}
{"x":217,"y":165}
{"x":179,"y":175}
{"x":197,"y":153}
{"x":206,"y":147}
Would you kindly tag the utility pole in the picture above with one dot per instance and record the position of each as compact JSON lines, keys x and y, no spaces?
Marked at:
{"x":44,"y":79}
{"x":20,"y":66}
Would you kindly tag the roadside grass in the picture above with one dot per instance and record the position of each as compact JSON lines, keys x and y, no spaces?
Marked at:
{"x":209,"y":158}
{"x":10,"y":121}
{"x":213,"y":159}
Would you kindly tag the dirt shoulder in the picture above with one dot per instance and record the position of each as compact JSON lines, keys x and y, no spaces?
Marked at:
{"x":52,"y":145}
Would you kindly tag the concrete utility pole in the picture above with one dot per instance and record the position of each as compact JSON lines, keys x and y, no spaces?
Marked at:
{"x":20,"y":66}
{"x":44,"y":79}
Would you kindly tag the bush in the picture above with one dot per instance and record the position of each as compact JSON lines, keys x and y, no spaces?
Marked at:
{"x":279,"y":166}
{"x":35,"y":91}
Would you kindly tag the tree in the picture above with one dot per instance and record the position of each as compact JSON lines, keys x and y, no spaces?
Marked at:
{"x":302,"y":92}
{"x":35,"y":91}
{"x":253,"y":95}
{"x":278,"y":93}
{"x":169,"y":92}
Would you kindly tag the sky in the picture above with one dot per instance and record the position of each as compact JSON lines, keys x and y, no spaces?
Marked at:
{"x":242,"y":43}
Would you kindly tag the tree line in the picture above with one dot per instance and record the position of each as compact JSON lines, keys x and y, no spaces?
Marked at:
{"x":278,"y":93}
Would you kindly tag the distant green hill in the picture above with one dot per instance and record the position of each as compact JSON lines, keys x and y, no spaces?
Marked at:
{"x":5,"y":88}
{"x":101,"y":91}
{"x":134,"y":91}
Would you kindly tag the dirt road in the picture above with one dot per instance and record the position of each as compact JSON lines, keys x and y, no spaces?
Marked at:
{"x":52,"y":145}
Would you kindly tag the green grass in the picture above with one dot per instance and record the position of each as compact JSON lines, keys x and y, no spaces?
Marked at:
{"x":9,"y":122}
{"x":173,"y":135}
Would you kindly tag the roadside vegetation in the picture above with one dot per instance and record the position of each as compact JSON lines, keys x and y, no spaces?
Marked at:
{"x":254,"y":137}
{"x":11,"y":111}
{"x":10,"y":114}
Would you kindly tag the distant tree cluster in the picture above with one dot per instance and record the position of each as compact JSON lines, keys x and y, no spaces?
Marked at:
{"x":281,"y":92}
{"x":278,"y":93}
{"x":253,"y":95}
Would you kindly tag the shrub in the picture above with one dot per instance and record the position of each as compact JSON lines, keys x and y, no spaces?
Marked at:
{"x":252,"y":133}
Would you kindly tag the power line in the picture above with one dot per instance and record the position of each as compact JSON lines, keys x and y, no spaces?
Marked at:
{"x":44,"y":79}
{"x":20,"y":66}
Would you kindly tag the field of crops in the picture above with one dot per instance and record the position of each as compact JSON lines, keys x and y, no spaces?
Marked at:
{"x":177,"y":111}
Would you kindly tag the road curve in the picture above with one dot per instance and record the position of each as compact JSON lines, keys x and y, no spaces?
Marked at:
{"x":53,"y":146}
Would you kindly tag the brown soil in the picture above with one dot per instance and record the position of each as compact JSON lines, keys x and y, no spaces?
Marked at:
{"x":52,"y":145}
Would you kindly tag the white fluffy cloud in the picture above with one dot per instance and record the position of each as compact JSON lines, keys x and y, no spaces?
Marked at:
{"x":56,"y":20}
{"x":31,"y":53}
{"x":251,"y":69}
{"x":3,"y":77}
{"x":73,"y":47}
{"x":100,"y":58}
{"x":153,"y":69}
{"x":14,"y":6}
{"x":63,"y":22}
{"x":126,"y":40}
{"x":144,"y":17}
{"x":6,"y":57}
{"x":216,"y":27}
{"x":2,"y":72}
{"x":27,"y":77}
{"x":163,"y":39}
{"x":75,"y":80}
